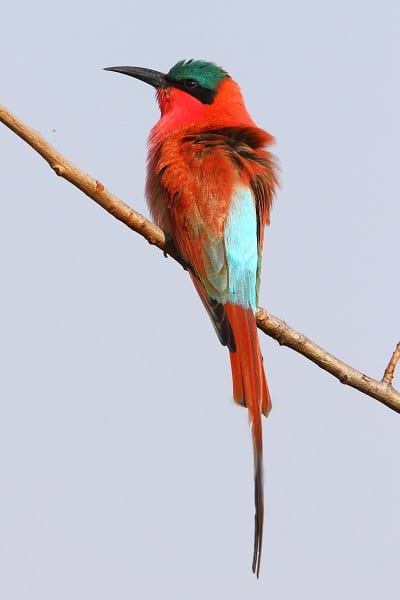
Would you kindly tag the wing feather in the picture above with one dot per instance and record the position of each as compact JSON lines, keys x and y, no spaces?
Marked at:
{"x":192,"y":183}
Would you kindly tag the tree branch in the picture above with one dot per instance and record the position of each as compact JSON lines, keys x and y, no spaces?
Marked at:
{"x":272,"y":326}
{"x":286,"y":336}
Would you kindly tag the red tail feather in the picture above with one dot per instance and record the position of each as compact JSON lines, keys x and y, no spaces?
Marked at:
{"x":250,"y":389}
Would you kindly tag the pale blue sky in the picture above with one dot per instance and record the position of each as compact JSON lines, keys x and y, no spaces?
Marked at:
{"x":126,"y":470}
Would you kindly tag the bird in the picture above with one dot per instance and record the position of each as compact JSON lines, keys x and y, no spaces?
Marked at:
{"x":210,"y":186}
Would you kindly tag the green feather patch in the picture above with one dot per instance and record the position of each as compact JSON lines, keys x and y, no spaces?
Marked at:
{"x":206,"y":74}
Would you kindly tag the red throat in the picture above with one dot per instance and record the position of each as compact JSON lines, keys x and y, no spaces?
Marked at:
{"x":181,"y":111}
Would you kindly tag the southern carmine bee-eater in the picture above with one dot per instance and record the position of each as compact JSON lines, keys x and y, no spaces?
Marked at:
{"x":210,"y":185}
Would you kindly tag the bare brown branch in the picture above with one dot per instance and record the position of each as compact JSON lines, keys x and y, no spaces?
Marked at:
{"x":390,"y":369}
{"x":272,"y":326}
{"x":286,"y":336}
{"x":91,"y":187}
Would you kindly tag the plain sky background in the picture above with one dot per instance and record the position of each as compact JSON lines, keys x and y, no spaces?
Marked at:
{"x":126,"y":469}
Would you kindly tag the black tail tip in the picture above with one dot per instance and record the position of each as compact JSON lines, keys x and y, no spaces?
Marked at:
{"x":259,"y":515}
{"x":255,"y":567}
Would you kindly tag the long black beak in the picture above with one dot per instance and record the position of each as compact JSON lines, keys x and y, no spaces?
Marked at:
{"x":154,"y":78}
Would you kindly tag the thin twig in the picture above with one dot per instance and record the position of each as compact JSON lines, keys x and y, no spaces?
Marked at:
{"x":390,"y":369}
{"x":272,"y":326}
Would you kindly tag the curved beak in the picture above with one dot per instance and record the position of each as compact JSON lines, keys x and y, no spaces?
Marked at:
{"x":154,"y":78}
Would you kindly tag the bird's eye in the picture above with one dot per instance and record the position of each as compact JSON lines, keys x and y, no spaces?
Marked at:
{"x":190,"y":84}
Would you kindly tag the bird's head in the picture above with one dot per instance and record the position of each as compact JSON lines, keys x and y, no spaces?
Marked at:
{"x":194,"y":92}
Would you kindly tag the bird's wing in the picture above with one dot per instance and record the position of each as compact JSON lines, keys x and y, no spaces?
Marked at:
{"x":217,"y":190}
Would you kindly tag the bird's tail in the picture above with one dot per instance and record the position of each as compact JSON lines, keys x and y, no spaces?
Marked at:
{"x":250,"y":389}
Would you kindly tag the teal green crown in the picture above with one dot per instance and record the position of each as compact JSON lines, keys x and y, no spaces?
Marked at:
{"x":206,"y":74}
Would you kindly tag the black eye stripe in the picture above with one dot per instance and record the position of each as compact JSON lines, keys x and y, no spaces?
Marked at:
{"x":192,"y":87}
{"x":190,"y":84}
